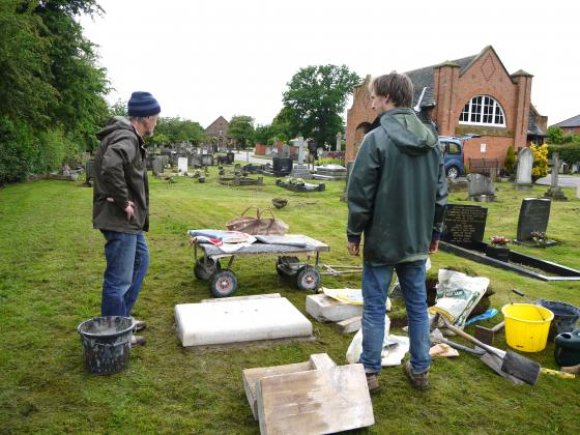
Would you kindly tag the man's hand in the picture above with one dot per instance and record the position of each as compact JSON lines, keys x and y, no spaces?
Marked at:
{"x":130,"y":210}
{"x":353,"y":248}
{"x":434,"y":247}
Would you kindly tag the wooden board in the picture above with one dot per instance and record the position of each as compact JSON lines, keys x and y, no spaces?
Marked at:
{"x":315,"y":401}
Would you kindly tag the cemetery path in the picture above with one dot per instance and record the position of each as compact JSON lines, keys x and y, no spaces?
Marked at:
{"x":563,"y":180}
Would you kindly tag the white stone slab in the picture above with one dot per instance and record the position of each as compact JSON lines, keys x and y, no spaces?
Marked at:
{"x":326,"y":309}
{"x":239,"y":321}
{"x":241,"y":298}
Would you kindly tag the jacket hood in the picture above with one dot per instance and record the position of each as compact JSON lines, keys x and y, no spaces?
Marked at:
{"x":116,"y":123}
{"x":407,"y":132}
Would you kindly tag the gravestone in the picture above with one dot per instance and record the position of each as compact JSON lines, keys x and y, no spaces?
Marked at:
{"x":281,"y":166}
{"x":464,"y":225}
{"x":338,"y":141}
{"x":534,"y":216}
{"x":578,"y":190}
{"x":182,"y":164}
{"x":555,"y":192}
{"x":480,"y":187}
{"x":525,"y":164}
{"x":301,"y":170}
{"x":157,"y":165}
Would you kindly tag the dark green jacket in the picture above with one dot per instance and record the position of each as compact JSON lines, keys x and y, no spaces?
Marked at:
{"x":120,"y":177}
{"x":397,"y":190}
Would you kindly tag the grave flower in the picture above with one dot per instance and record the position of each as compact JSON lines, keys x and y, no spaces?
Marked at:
{"x":499,"y":241}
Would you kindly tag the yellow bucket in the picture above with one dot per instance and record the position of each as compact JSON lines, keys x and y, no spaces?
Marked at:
{"x":527,"y":326}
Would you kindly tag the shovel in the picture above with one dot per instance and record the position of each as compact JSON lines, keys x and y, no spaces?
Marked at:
{"x":511,"y":362}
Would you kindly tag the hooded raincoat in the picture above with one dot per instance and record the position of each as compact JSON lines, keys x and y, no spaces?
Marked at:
{"x":397,"y":190}
{"x":120,"y":177}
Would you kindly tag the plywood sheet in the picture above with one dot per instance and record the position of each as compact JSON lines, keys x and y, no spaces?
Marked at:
{"x":315,"y":402}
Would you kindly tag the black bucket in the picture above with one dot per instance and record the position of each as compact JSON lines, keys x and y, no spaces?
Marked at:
{"x":106,"y":343}
{"x":565,"y":317}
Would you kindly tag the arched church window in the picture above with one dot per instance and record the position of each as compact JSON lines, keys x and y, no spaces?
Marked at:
{"x":483,"y":110}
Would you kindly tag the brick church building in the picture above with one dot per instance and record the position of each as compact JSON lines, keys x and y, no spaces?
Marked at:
{"x":475,"y":95}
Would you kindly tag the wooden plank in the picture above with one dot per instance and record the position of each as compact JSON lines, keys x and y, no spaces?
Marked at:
{"x":315,"y":402}
{"x":349,"y":325}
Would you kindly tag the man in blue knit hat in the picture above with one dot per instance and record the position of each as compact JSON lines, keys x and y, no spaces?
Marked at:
{"x":121,"y":205}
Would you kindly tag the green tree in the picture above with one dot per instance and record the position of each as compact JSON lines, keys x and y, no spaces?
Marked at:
{"x":555,"y":135}
{"x":315,"y":100}
{"x":241,"y":129}
{"x":510,"y":160}
{"x":119,"y":108}
{"x":263,"y":134}
{"x":50,"y":88}
{"x":80,"y":84}
{"x":177,"y":130}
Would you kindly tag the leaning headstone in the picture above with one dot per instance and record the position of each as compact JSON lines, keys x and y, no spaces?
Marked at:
{"x":555,"y":192}
{"x":534,"y":216}
{"x":480,"y":188}
{"x":525,"y":164}
{"x":464,"y":225}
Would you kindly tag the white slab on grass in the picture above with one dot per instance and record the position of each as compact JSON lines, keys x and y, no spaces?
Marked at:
{"x":327,"y":309}
{"x":239,"y":321}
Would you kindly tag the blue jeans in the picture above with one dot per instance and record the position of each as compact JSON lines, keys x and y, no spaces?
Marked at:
{"x":127,"y":263}
{"x":375,"y":285}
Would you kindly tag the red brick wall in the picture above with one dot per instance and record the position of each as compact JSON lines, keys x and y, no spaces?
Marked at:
{"x":486,"y":76}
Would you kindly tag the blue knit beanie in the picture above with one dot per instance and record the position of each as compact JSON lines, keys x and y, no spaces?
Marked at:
{"x":142,"y":104}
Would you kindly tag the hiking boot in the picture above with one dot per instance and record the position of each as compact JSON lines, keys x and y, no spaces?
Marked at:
{"x":137,"y":340}
{"x":418,"y":380}
{"x":139,"y":325}
{"x":372,"y":381}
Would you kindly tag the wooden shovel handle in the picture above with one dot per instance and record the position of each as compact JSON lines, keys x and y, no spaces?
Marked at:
{"x":474,"y":340}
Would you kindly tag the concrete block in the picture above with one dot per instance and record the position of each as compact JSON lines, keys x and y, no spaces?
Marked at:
{"x":349,"y":325}
{"x":239,"y":321}
{"x":327,"y":309}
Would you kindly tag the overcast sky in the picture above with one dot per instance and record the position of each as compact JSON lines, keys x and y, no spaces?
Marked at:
{"x":206,"y":58}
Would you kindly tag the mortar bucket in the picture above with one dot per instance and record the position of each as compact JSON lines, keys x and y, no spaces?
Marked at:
{"x":106,"y":343}
{"x":565,"y":317}
{"x":527,"y":326}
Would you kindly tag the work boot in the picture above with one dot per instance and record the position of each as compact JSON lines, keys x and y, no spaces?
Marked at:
{"x":418,"y":380}
{"x":137,"y":340}
{"x":372,"y":381}
{"x":139,"y":325}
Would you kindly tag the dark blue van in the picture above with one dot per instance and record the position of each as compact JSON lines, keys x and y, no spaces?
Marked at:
{"x":452,"y":148}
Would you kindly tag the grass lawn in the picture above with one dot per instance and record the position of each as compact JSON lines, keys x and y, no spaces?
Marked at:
{"x":51,"y":265}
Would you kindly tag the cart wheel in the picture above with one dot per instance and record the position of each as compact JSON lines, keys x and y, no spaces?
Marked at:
{"x":223,"y":283}
{"x":205,"y":268}
{"x":284,"y":266}
{"x":308,"y":278}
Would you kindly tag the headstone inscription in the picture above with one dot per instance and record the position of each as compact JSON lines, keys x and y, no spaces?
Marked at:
{"x":525,"y":164}
{"x":534,"y":216}
{"x":464,"y":225}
